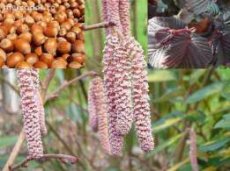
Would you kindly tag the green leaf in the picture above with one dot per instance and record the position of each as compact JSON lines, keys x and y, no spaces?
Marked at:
{"x":224,"y":123}
{"x":196,"y":75}
{"x":178,"y":165}
{"x":170,"y":94}
{"x":7,"y":141}
{"x":161,"y":76}
{"x":167,"y":123}
{"x":214,"y":145}
{"x":205,"y":92}
{"x":225,"y":95}
{"x":227,"y":116}
{"x":164,"y":145}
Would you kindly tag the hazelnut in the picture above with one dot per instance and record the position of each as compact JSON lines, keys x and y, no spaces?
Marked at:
{"x":59,"y":63}
{"x":31,"y":58}
{"x":47,"y":58}
{"x":40,"y":64}
{"x":2,"y":61}
{"x":22,"y":46}
{"x":78,"y":46}
{"x":64,"y":47}
{"x":51,"y":46}
{"x":14,"y":59}
{"x":7,"y":45}
{"x":23,"y":64}
{"x":39,"y":39}
{"x":74,"y":65}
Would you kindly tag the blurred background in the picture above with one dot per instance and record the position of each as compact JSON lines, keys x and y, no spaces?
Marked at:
{"x":179,"y":99}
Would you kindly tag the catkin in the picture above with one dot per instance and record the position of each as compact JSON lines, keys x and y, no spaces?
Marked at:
{"x":100,"y":106}
{"x":115,"y":138}
{"x":124,"y":9}
{"x":113,"y":14}
{"x":30,"y":113}
{"x":125,"y":80}
{"x":123,"y":89}
{"x":93,"y":119}
{"x":105,"y":14}
{"x":35,"y":76}
{"x":141,"y":105}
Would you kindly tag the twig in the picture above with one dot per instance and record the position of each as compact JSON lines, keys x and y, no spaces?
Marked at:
{"x":55,"y":94}
{"x":15,"y":151}
{"x":99,"y":25}
{"x":67,"y":159}
{"x":46,"y":82}
{"x":193,"y":150}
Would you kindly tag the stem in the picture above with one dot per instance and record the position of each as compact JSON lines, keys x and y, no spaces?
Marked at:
{"x":15,"y":151}
{"x":98,"y":25}
{"x":61,"y":157}
{"x":66,"y":84}
{"x":46,"y":82}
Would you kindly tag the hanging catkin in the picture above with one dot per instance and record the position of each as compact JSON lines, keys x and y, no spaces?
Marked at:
{"x":125,"y":80}
{"x":96,"y":90}
{"x":35,"y":76}
{"x":112,"y":43}
{"x":93,"y":119}
{"x":124,"y":13}
{"x":123,"y":89}
{"x":115,"y":138}
{"x":31,"y":114}
{"x":122,"y":71}
{"x":140,"y":87}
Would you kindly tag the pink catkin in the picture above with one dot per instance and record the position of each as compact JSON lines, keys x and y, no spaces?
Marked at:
{"x":93,"y":119}
{"x":140,"y":96}
{"x":193,"y":150}
{"x":122,"y":90}
{"x":105,"y":14}
{"x":124,"y":11}
{"x":30,"y":114}
{"x":100,"y":106}
{"x":118,"y":69}
{"x":115,"y":138}
{"x":113,"y":14}
{"x":35,"y":76}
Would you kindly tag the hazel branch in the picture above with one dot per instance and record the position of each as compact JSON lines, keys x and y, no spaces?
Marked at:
{"x":46,"y":82}
{"x":67,"y":159}
{"x":65,"y":84}
{"x":98,"y":25}
{"x":15,"y":151}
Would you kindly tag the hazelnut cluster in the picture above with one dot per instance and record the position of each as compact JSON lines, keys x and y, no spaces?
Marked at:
{"x":41,"y":33}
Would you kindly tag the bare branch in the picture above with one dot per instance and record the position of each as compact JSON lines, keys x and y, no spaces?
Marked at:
{"x":56,"y":93}
{"x":15,"y":151}
{"x":67,"y":159}
{"x":99,"y":25}
{"x":46,"y":82}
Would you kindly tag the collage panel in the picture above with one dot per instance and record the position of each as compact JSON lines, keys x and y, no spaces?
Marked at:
{"x":42,"y":34}
{"x":115,"y":85}
{"x":188,"y":33}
